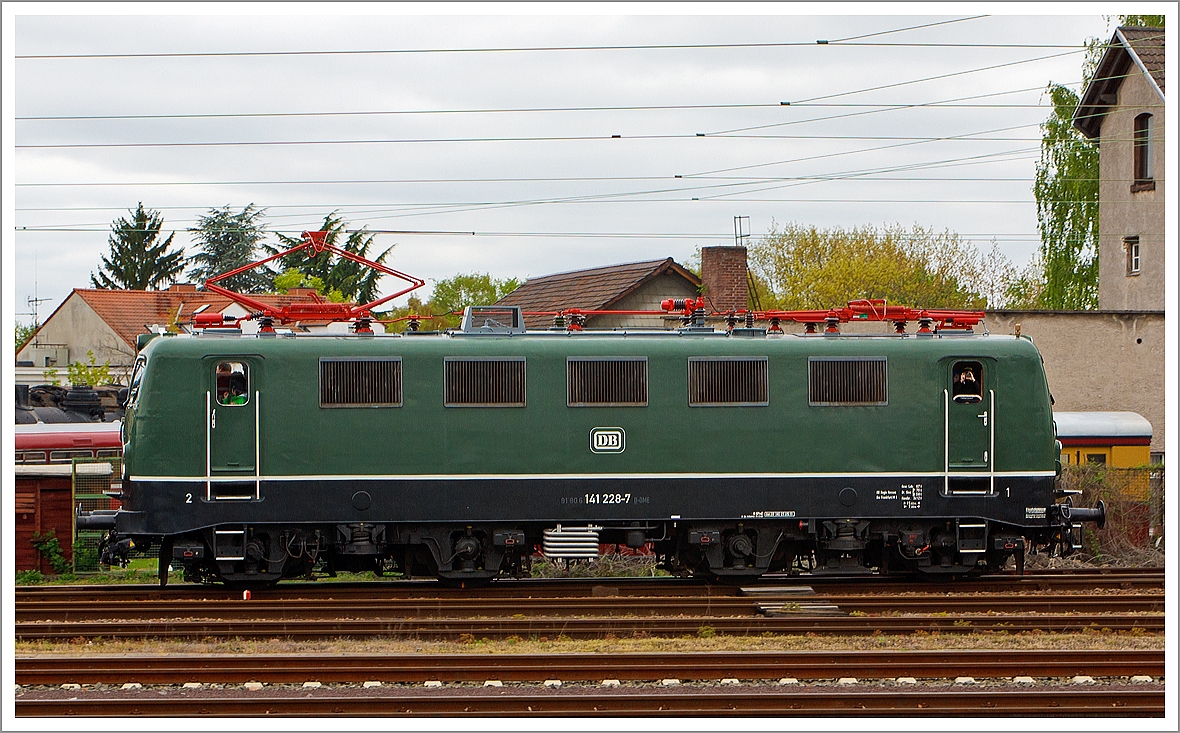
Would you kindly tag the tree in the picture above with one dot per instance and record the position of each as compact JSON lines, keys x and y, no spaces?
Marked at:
{"x":136,"y":261}
{"x":455,"y":293}
{"x":1066,"y":191}
{"x":229,"y":240}
{"x":355,"y":282}
{"x":807,"y":268}
{"x":291,"y":279}
{"x":90,"y":374}
{"x":24,"y":334}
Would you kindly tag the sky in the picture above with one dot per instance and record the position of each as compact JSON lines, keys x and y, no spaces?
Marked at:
{"x":529,"y":161}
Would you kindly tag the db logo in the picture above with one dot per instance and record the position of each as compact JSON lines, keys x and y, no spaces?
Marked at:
{"x":607,"y":440}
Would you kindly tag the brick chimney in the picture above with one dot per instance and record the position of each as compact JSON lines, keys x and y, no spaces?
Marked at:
{"x":183,"y":288}
{"x":723,"y":273}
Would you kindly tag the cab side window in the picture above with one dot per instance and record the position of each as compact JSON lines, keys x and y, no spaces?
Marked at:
{"x":233,"y":383}
{"x":967,"y":382}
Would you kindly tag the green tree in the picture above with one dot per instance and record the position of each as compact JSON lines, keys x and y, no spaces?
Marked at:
{"x":90,"y":374}
{"x":455,"y":293}
{"x":354,"y":281}
{"x":229,"y":240}
{"x":291,"y":279}
{"x":1065,"y":275}
{"x":805,"y":268}
{"x":1066,"y":190}
{"x":137,"y":261}
{"x":1143,"y":21}
{"x":24,"y":334}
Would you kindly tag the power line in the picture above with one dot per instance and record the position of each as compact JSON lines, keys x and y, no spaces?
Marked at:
{"x":1029,"y":201}
{"x":834,"y":178}
{"x":533,"y":49}
{"x":902,"y":30}
{"x":524,"y":110}
{"x":525,"y":138}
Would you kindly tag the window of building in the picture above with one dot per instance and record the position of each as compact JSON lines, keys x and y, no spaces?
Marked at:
{"x":1096,"y":458}
{"x":1144,"y":175}
{"x":1131,"y":245}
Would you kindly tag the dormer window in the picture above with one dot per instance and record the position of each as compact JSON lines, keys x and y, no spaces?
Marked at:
{"x":1144,"y":175}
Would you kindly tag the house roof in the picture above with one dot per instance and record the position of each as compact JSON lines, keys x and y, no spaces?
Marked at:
{"x":1130,"y":47}
{"x":1081,"y":428}
{"x":597,"y":288}
{"x":130,"y":312}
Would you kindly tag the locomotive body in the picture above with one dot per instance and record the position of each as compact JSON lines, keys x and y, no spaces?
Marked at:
{"x":458,"y":455}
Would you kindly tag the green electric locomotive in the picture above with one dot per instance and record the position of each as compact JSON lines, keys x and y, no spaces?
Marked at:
{"x":460,"y":455}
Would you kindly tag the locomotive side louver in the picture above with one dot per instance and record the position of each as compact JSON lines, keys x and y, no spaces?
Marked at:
{"x":494,"y":382}
{"x":736,"y":381}
{"x":609,"y":382}
{"x":847,"y":381}
{"x":361,"y":382}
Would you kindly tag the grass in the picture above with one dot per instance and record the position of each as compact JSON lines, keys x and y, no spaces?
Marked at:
{"x":1093,"y":640}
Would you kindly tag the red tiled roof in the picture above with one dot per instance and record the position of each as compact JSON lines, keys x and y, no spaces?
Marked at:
{"x":595,"y":289}
{"x":130,"y":312}
{"x":1116,"y":63}
{"x":1148,"y":44}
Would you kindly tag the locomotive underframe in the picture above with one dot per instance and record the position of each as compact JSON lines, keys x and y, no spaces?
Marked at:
{"x":253,"y":542}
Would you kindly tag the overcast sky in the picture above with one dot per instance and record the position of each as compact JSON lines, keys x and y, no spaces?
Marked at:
{"x":544,"y":190}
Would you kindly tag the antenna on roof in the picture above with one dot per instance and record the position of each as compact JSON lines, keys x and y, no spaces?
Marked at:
{"x":741,"y":231}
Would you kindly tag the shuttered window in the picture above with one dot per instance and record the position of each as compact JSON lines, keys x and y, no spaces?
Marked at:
{"x":361,"y":382}
{"x":844,"y":381}
{"x":606,"y":382}
{"x":735,"y":381}
{"x":494,"y":382}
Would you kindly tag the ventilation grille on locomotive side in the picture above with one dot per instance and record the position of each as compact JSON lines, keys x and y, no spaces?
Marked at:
{"x":737,"y":381}
{"x":845,"y":381}
{"x":485,"y":382}
{"x":360,"y":382}
{"x":594,"y":382}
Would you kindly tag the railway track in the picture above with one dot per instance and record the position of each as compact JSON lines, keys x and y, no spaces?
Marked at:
{"x":1120,"y":578}
{"x":176,"y":669}
{"x":580,"y":627}
{"x":452,"y":607}
{"x":1005,"y":701}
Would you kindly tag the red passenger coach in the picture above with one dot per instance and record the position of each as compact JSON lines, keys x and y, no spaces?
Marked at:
{"x":63,"y":442}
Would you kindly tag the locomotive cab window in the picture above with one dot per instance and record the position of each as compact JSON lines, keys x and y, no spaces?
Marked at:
{"x":233,"y":383}
{"x":967,"y":382}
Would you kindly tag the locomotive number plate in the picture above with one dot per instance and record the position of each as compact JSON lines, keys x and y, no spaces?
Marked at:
{"x":608,"y":440}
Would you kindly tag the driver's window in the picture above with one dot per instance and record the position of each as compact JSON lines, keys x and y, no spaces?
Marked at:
{"x":233,"y":383}
{"x":967,"y":381}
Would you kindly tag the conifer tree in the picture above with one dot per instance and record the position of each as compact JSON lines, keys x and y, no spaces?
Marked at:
{"x":136,"y":260}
